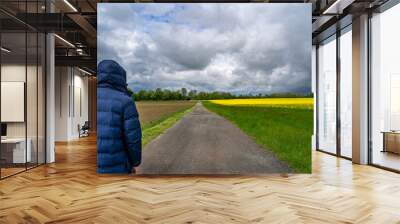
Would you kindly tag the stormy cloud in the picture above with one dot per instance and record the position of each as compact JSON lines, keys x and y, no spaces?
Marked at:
{"x":238,"y":48}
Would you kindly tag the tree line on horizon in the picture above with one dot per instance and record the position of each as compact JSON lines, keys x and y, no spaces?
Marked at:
{"x":183,"y":94}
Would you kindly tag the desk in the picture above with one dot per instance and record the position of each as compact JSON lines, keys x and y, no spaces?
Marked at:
{"x":13,"y":150}
{"x":391,"y":141}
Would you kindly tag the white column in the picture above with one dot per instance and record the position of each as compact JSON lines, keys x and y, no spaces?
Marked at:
{"x":50,"y":92}
{"x":360,"y":90}
{"x":50,"y":97}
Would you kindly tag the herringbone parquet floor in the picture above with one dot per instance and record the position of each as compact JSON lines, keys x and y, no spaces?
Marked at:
{"x":70,"y":191}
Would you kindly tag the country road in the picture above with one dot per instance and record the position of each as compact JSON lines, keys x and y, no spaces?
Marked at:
{"x":205,"y":143}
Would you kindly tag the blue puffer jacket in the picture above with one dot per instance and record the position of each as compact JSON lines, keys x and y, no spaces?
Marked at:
{"x":119,"y":144}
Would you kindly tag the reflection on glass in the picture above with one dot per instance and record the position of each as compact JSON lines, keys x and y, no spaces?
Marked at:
{"x":346,"y":94}
{"x":394,"y":102}
{"x":327,"y":96}
{"x":14,"y":153}
{"x":22,"y":91}
{"x":385,"y":82}
{"x":41,"y":98}
{"x":31,"y":101}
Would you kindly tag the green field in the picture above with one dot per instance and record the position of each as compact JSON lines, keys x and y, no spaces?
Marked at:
{"x":286,"y":131}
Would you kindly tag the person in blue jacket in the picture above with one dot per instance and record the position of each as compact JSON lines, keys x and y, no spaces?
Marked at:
{"x":119,"y":144}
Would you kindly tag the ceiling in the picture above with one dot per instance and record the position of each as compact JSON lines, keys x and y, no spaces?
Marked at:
{"x":75,"y":22}
{"x":331,"y":15}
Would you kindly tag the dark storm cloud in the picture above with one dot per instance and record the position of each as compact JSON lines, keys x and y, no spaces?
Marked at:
{"x":241,"y":48}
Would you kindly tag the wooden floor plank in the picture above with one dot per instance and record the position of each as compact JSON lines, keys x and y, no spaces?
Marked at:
{"x":70,"y":191}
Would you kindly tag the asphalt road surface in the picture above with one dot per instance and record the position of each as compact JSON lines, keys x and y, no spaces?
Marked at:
{"x":205,"y":143}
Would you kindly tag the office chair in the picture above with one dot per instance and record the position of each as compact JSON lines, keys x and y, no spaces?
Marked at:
{"x":84,"y":130}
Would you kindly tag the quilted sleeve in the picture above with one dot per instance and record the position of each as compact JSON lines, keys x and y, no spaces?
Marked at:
{"x":132,"y":134}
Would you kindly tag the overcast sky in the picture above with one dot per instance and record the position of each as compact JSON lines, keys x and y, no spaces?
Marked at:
{"x":238,"y":48}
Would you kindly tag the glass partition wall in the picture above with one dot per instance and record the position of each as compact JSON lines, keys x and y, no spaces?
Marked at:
{"x":345,"y":108}
{"x":13,"y":87}
{"x":327,"y":95}
{"x":385,"y":89}
{"x":334,"y":94}
{"x":22,"y":66}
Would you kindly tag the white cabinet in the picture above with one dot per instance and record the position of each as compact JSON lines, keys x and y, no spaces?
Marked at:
{"x":19,"y":155}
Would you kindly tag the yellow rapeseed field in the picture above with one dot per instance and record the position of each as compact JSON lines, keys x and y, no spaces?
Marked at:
{"x":291,"y":102}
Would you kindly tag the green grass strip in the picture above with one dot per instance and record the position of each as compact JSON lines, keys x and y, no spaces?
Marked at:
{"x":286,"y":131}
{"x":151,"y":131}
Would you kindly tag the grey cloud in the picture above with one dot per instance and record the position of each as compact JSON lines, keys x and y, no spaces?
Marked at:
{"x":242,"y":48}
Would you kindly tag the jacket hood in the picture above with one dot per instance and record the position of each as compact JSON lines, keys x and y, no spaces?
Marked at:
{"x":111,"y":74}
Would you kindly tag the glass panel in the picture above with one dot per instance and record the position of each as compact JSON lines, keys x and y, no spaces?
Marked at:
{"x":13,"y":87}
{"x":32,"y":89}
{"x":327,"y":96}
{"x":31,"y":98}
{"x":313,"y":81}
{"x":385,"y":115}
{"x":346,"y":93}
{"x":41,"y":98}
{"x":23,"y":90}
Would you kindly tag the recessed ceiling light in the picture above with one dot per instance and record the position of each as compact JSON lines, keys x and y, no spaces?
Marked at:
{"x":70,"y":5}
{"x":64,"y":40}
{"x":84,"y":71}
{"x":5,"y":50}
{"x":337,"y":7}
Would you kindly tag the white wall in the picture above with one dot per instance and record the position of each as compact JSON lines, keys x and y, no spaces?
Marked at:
{"x":12,"y":100}
{"x":14,"y":73}
{"x":62,"y":81}
{"x":17,"y":73}
{"x":71,"y":87}
{"x":33,"y":125}
{"x":80,"y":109}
